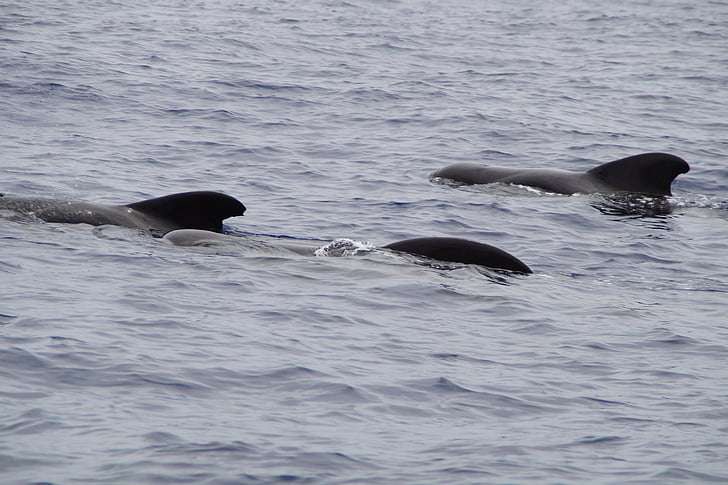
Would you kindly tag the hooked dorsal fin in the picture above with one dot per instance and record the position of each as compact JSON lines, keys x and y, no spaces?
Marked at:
{"x":191,"y":210}
{"x":650,"y":173}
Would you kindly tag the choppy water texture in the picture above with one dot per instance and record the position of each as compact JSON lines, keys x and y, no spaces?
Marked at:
{"x":125,"y":359}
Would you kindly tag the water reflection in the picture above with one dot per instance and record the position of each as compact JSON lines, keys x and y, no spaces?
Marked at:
{"x":497,"y":276}
{"x":632,"y":205}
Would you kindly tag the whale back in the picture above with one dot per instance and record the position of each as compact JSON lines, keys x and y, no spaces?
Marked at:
{"x":191,"y":210}
{"x":460,"y":251}
{"x":649,"y":173}
{"x":474,"y":173}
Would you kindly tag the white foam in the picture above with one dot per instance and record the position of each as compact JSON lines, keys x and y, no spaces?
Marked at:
{"x":343,"y":247}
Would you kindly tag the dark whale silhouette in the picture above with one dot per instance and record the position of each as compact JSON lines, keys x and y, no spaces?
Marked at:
{"x":193,"y":210}
{"x":195,"y":219}
{"x":460,"y":251}
{"x":648,"y":173}
{"x":440,"y":248}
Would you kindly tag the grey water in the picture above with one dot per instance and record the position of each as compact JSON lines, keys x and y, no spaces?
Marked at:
{"x":125,"y":359}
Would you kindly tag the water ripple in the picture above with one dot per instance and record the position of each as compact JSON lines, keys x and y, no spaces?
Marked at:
{"x":152,"y":363}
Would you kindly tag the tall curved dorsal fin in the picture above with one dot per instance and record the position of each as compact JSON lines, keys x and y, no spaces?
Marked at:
{"x":650,"y":173}
{"x":191,"y":210}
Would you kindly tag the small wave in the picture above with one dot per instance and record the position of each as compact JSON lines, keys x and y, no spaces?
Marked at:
{"x":598,"y":440}
{"x":454,"y":357}
{"x":372,"y":95}
{"x":218,"y":377}
{"x":497,"y":188}
{"x":447,"y":386}
{"x":491,"y":403}
{"x":685,"y":475}
{"x":167,"y":443}
{"x":79,"y":92}
{"x":291,"y":373}
{"x":672,"y":340}
{"x":113,"y":233}
{"x":6,"y":319}
{"x":162,"y":437}
{"x":260,"y":85}
{"x":9,"y":462}
{"x":330,"y":460}
{"x":445,"y":356}
{"x":21,"y":359}
{"x":605,"y":402}
{"x":344,"y":247}
{"x":33,"y":421}
{"x":203,"y":113}
{"x":334,"y":392}
{"x":638,"y":205}
{"x":662,"y":337}
{"x":700,"y":201}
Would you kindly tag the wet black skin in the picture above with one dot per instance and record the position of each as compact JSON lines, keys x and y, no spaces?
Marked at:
{"x":460,"y":251}
{"x":188,"y":210}
{"x":192,"y":218}
{"x":647,"y":173}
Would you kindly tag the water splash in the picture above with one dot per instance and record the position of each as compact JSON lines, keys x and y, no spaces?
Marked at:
{"x":700,"y":201}
{"x":344,"y":247}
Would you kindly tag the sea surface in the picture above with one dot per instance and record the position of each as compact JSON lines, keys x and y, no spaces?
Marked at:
{"x":127,"y":360}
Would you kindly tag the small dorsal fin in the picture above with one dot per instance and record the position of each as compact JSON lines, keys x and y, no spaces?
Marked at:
{"x":650,"y":173}
{"x":191,"y":210}
{"x":460,"y":251}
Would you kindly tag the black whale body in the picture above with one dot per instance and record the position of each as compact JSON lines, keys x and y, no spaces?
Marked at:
{"x":648,"y":173}
{"x":438,"y":248}
{"x":460,"y":251}
{"x":188,"y":210}
{"x":195,"y":218}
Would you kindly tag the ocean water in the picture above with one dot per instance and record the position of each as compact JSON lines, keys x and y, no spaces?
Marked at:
{"x":124,"y":359}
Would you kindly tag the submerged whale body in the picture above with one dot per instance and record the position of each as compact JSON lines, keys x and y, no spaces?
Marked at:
{"x":195,"y":219}
{"x":460,"y":251}
{"x":447,"y":249}
{"x":647,"y":173}
{"x":189,"y":210}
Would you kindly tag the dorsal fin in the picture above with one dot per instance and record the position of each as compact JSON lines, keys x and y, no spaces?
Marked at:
{"x":460,"y":251}
{"x":650,"y":173}
{"x":191,"y":210}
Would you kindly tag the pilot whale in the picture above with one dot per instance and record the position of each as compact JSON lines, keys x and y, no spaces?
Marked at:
{"x":647,"y":173}
{"x":460,"y":251}
{"x":447,"y":249}
{"x":189,"y":210}
{"x":195,"y":219}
